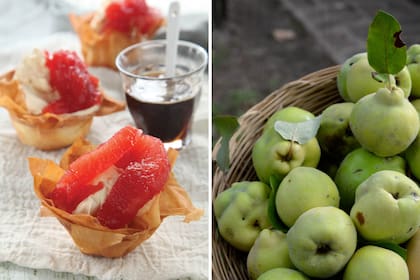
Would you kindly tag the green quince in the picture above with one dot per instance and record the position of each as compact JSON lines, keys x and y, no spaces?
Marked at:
{"x":269,"y":251}
{"x":356,"y":167}
{"x":334,"y":134}
{"x":385,"y":122}
{"x":241,"y":212}
{"x":413,"y":65}
{"x":360,"y":81}
{"x":412,"y":154}
{"x":376,"y":263}
{"x":387,"y":207}
{"x":322,"y":241}
{"x":274,"y":156}
{"x":342,"y":74}
{"x":304,"y":188}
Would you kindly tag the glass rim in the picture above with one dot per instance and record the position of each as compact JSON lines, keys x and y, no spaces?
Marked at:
{"x":162,"y":42}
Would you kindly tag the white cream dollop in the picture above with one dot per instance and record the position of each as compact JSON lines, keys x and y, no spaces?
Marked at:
{"x":34,"y":78}
{"x":92,"y":203}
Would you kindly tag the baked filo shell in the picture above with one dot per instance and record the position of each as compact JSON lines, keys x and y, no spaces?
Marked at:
{"x":87,"y":233}
{"x":48,"y":131}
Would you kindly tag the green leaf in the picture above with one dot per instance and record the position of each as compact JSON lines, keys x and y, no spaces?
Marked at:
{"x":226,"y":127}
{"x":272,"y":211}
{"x":300,"y":132}
{"x":387,"y":53}
{"x":387,"y":245}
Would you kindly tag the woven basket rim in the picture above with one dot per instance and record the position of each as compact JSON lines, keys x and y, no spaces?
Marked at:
{"x":228,"y":262}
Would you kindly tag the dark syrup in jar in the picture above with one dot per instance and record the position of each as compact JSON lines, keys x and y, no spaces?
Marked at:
{"x":151,"y":110}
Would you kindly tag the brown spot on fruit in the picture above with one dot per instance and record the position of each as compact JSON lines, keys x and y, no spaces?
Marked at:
{"x":256,"y":223}
{"x":360,"y":218}
{"x":229,"y":233}
{"x":396,"y":195}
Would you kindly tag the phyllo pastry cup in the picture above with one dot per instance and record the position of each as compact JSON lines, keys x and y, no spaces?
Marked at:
{"x":102,"y":48}
{"x":87,"y":233}
{"x":48,"y":131}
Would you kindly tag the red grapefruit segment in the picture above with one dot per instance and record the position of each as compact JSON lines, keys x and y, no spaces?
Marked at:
{"x":146,"y":170}
{"x":75,"y":185}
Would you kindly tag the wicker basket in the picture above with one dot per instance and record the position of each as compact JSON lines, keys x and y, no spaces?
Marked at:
{"x":313,"y":92}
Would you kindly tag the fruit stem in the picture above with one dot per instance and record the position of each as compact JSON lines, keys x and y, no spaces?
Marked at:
{"x":290,"y":152}
{"x":388,"y":82}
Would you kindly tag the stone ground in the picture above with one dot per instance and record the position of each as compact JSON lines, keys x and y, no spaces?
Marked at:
{"x":260,"y":47}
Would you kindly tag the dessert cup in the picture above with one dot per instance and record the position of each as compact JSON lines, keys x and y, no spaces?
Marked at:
{"x":102,"y":48}
{"x":48,"y":131}
{"x":87,"y":233}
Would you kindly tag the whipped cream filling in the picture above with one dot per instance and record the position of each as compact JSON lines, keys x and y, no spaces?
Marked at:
{"x":34,"y":103}
{"x":34,"y":79}
{"x":92,"y":203}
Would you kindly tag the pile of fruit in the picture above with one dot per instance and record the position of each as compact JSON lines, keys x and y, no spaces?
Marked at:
{"x":337,"y":195}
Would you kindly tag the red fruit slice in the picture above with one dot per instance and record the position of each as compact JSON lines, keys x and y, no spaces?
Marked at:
{"x":69,"y":76}
{"x":128,"y":15}
{"x":146,"y":170}
{"x":75,"y":185}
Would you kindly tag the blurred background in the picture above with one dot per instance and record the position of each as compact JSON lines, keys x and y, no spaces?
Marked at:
{"x":258,"y":46}
{"x":25,"y":23}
